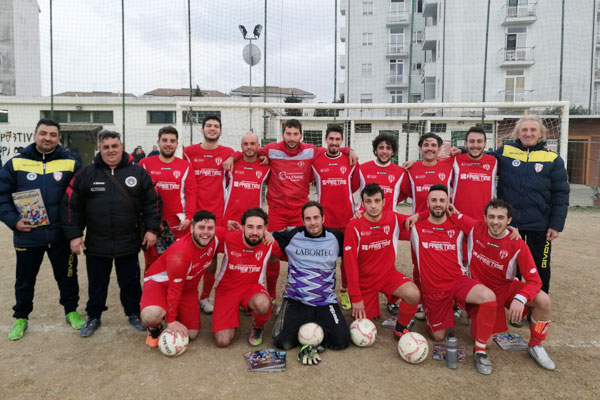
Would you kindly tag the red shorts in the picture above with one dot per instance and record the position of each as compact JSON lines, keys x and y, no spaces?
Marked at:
{"x":226,"y":314}
{"x":438,"y":306}
{"x":387,"y":285}
{"x":280,"y":218}
{"x":188,"y":310}
{"x":504,"y":296}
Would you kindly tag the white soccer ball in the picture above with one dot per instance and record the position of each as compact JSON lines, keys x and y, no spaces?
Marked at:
{"x":172,"y":345}
{"x":363,"y":332}
{"x":413,"y":347}
{"x":310,"y":334}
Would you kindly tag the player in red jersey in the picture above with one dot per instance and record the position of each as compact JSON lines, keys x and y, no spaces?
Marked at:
{"x":174,"y":180}
{"x":437,"y":247}
{"x":370,"y":246}
{"x":171,"y":283}
{"x":241,"y":279}
{"x":493,"y":261}
{"x":336,"y":181}
{"x":207,"y":159}
{"x":474,"y":173}
{"x":245,"y":182}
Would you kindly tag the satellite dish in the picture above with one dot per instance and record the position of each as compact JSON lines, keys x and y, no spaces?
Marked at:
{"x":251,"y":54}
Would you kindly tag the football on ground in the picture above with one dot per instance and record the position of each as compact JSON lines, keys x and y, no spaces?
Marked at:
{"x":171,"y":344}
{"x":413,"y":347}
{"x":310,"y":334}
{"x":363,"y":332}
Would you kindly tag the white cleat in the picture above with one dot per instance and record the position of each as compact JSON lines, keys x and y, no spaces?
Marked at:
{"x":420,"y":314}
{"x":538,"y":353}
{"x":207,"y":306}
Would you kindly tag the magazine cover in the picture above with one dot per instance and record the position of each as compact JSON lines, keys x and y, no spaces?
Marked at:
{"x":165,"y":237}
{"x":439,"y":353}
{"x":268,"y":360}
{"x":509,"y":341}
{"x":30,"y":205}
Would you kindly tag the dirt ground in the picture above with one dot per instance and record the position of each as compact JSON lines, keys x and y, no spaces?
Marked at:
{"x":52,"y":361}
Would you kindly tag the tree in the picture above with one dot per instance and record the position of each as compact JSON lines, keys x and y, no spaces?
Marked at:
{"x":329,"y":112}
{"x":293,"y":112}
{"x":198,"y":92}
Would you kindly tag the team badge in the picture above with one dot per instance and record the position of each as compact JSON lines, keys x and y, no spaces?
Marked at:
{"x":57,"y":176}
{"x":386,"y":229}
{"x":538,"y":167}
{"x":343,"y":170}
{"x":209,"y":252}
{"x":391,"y":178}
{"x":176,"y":174}
{"x":451,"y":233}
{"x":258,"y":174}
{"x":131,"y":181}
{"x":516,"y":163}
{"x":218,"y":161}
{"x":301,"y":164}
{"x":442,"y":176}
{"x":503,"y":254}
{"x":486,"y":167}
{"x":258,"y":255}
{"x":32,"y":176}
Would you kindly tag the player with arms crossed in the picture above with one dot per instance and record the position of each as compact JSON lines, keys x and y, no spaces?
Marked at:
{"x":336,"y":181}
{"x":493,"y":261}
{"x":370,"y":247}
{"x":312,"y":251}
{"x":171,"y":283}
{"x":241,"y":279}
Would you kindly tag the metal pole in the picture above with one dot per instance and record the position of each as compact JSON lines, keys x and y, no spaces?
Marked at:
{"x":410,"y":56}
{"x":487,"y":35}
{"x":335,"y":24}
{"x":592,"y":57}
{"x":265,"y":75}
{"x":189,"y":17}
{"x":443,"y":54}
{"x":347,"y":95}
{"x":562,"y":46}
{"x":123,"y":64}
{"x":250,"y":91}
{"x":51,"y":67}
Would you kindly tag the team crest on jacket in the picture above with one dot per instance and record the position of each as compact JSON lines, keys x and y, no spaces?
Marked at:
{"x":218,"y":161}
{"x":176,"y":174}
{"x":503,"y":254}
{"x":131,"y":181}
{"x":57,"y":176}
{"x":391,"y":178}
{"x":538,"y":167}
{"x":32,"y":176}
{"x":343,"y":170}
{"x":258,"y":255}
{"x":386,"y":229}
{"x":258,"y":174}
{"x":516,"y":163}
{"x":451,"y":233}
{"x":301,"y":164}
{"x":442,"y":176}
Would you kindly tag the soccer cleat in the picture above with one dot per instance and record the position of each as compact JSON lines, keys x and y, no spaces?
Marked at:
{"x":18,"y":329}
{"x":392,"y":308}
{"x":74,"y":319}
{"x":90,"y":327}
{"x":344,"y":299}
{"x":457,"y":313}
{"x":134,"y":320}
{"x":420,"y":314}
{"x":483,"y":363}
{"x":152,"y":338}
{"x":256,"y":337}
{"x":518,"y":324}
{"x":538,"y":353}
{"x":400,"y":330}
{"x":207,"y":305}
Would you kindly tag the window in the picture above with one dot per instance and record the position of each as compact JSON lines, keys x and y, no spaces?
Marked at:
{"x":396,"y":40}
{"x":419,"y":6}
{"x":3,"y":115}
{"x":395,"y":96}
{"x":367,"y":39}
{"x":79,"y":117}
{"x":397,"y":6}
{"x":362,"y":128}
{"x":515,"y":38}
{"x":417,"y":68}
{"x":161,"y":117}
{"x":313,"y":137}
{"x":367,"y":8}
{"x":366,"y":98}
{"x":416,"y":98}
{"x":367,"y":70}
{"x":396,"y":67}
{"x":438,"y":128}
{"x":412,"y":127}
{"x":198,"y":116}
{"x":514,"y":85}
{"x":102,"y":117}
{"x":418,"y":37}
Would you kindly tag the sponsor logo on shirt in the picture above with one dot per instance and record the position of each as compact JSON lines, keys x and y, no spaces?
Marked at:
{"x":382,"y":244}
{"x":168,"y":185}
{"x":291,"y":176}
{"x":155,"y":172}
{"x":315,"y":252}
{"x":333,"y":182}
{"x":365,"y":233}
{"x":208,"y":172}
{"x":439,"y":246}
{"x":245,"y":269}
{"x":494,"y":245}
{"x":423,"y":188}
{"x":487,"y":261}
{"x":246,"y":185}
{"x":475,"y":177}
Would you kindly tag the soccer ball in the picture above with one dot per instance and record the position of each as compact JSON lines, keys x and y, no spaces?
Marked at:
{"x":172,"y":345}
{"x":310,"y":334}
{"x":363,"y":332}
{"x":413,"y":347}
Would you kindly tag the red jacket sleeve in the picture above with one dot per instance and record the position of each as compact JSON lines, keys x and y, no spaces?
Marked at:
{"x":351,"y":248}
{"x":464,"y":222}
{"x":177,"y":267}
{"x":533,"y":283}
{"x":355,"y":179}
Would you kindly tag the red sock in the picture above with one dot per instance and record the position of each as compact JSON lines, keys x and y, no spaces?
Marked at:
{"x":273,"y":268}
{"x":406,"y":312}
{"x":537,"y":330}
{"x":261,"y":319}
{"x":344,"y":287}
{"x":486,"y":317}
{"x":208,"y":280}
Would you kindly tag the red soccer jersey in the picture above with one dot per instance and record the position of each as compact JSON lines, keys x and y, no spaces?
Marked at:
{"x":474,"y":184}
{"x":494,"y":262}
{"x":176,"y":185}
{"x":437,"y":253}
{"x":244,"y":265}
{"x":210,"y":176}
{"x":336,"y":182}
{"x":392,"y":179}
{"x":422,"y":178}
{"x":181,"y":267}
{"x":244,"y":188}
{"x":370,"y":250}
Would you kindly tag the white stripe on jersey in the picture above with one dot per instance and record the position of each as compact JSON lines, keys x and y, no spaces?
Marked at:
{"x":263,"y":272}
{"x":414,"y":240}
{"x":317,"y":183}
{"x":223,"y":266}
{"x":228,"y":190}
{"x":160,"y":277}
{"x":182,"y":189}
{"x":511,"y":270}
{"x":306,"y":154}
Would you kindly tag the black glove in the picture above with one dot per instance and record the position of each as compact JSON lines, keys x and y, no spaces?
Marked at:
{"x":309,"y":355}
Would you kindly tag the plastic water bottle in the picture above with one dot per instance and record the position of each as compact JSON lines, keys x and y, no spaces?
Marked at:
{"x":451,"y":351}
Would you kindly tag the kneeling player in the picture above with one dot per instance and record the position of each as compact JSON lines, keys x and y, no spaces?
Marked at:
{"x":241,"y":279}
{"x":493,"y":260}
{"x":370,"y":255}
{"x":171,"y":283}
{"x":312,"y":251}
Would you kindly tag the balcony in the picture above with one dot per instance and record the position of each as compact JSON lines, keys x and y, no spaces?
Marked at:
{"x":343,"y":6}
{"x":430,"y":8}
{"x":394,"y":112}
{"x":342,"y":61}
{"x":428,"y":70}
{"x":512,"y":96}
{"x":397,"y":18}
{"x":520,"y":15}
{"x":519,"y":57}
{"x":342,"y":34}
{"x":430,"y":37}
{"x":396,"y":50}
{"x":395,"y":81}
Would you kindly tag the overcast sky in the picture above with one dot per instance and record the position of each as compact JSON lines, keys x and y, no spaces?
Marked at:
{"x":87,"y":44}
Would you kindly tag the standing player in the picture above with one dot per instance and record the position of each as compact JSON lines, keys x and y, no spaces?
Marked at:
{"x":493,"y":261}
{"x":336,"y":181}
{"x":207,"y":159}
{"x":370,"y":246}
{"x":437,"y":247}
{"x":241,"y":279}
{"x":245,"y":181}
{"x":312,"y":251}
{"x":175,"y":182}
{"x":171,"y":283}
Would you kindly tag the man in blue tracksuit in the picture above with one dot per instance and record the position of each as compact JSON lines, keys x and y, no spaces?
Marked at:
{"x":534,"y":180}
{"x":47,"y":166}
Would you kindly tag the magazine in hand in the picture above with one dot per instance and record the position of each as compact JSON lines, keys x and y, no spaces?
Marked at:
{"x":30,"y":205}
{"x":439,"y":353}
{"x":165,"y":237}
{"x":510,"y":341}
{"x":267,"y":360}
